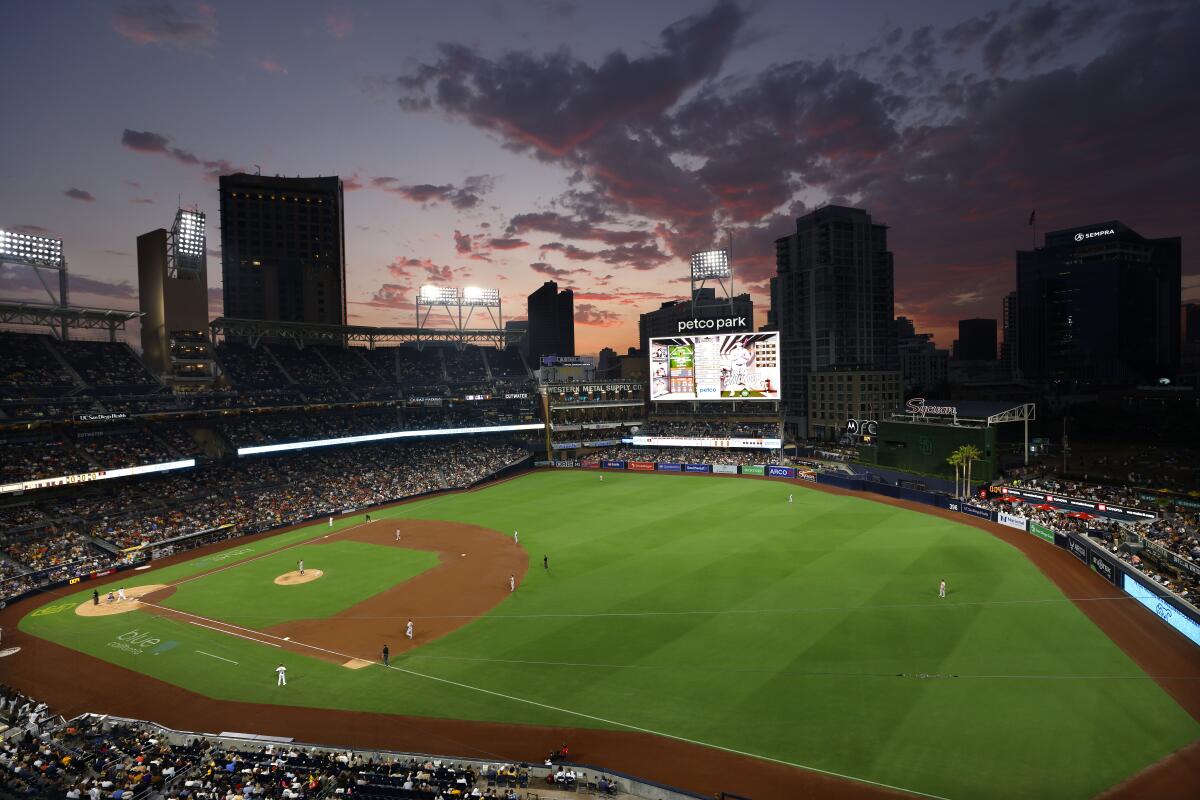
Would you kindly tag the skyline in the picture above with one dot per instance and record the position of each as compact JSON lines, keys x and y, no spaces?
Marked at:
{"x":598,"y":146}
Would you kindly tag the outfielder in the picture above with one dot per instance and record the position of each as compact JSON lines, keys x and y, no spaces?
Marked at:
{"x":282,"y":672}
{"x":942,"y":589}
{"x":331,"y":522}
{"x":790,"y":498}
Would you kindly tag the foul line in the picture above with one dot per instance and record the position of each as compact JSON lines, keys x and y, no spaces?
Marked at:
{"x":210,"y":655}
{"x":559,"y":709}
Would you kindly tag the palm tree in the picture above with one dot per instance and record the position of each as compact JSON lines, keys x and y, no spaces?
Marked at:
{"x":956,"y":461}
{"x":971,"y":454}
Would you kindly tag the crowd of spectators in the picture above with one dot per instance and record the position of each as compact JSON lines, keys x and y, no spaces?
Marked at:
{"x":695,"y":455}
{"x":27,"y":367}
{"x":227,"y":499}
{"x":40,"y":456}
{"x":96,"y":757}
{"x":713,"y":427}
{"x":106,"y":364}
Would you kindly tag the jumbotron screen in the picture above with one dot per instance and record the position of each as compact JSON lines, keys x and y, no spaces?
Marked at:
{"x":718,"y":366}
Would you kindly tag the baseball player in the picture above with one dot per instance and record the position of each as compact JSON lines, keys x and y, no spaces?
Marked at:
{"x":331,"y":522}
{"x":95,"y":597}
{"x":546,"y":563}
{"x":281,"y":670}
{"x":121,"y":594}
{"x":512,"y":583}
{"x":300,"y":566}
{"x":790,"y":498}
{"x":397,"y":534}
{"x":368,"y":519}
{"x":408,"y":630}
{"x":516,"y":538}
{"x":602,"y":477}
{"x":385,"y":655}
{"x":111,"y":596}
{"x":942,"y":589}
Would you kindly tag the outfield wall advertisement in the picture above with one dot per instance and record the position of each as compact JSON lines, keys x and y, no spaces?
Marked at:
{"x":975,"y":511}
{"x":668,"y":467}
{"x":697,"y":468}
{"x":1041,"y":531}
{"x":720,"y":366}
{"x":1011,"y":520}
{"x":1164,"y":610}
{"x":725,"y":469}
{"x":781,"y":472}
{"x":753,"y":469}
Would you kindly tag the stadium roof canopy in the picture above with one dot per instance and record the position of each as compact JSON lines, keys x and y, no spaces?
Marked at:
{"x":60,"y":318}
{"x":303,"y":333}
{"x":964,"y":412}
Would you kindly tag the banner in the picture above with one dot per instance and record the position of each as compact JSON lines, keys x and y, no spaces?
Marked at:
{"x":567,"y":463}
{"x":1069,"y":503}
{"x":590,"y":465}
{"x":613,"y":464}
{"x":543,"y":463}
{"x":781,"y":472}
{"x":805,"y":475}
{"x":975,"y":511}
{"x":566,"y":445}
{"x":641,"y":466}
{"x":666,"y":467}
{"x":1104,"y":568}
{"x":1077,"y":548}
{"x":686,"y":441}
{"x":1041,"y":531}
{"x":753,"y":469}
{"x":1161,"y":608}
{"x":725,"y":469}
{"x":1011,"y":520}
{"x":697,"y":468}
{"x":952,"y":504}
{"x":602,"y":443}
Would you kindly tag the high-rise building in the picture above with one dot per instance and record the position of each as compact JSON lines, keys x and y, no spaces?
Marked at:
{"x":1191,"y":323}
{"x":922,"y":364}
{"x":283,"y":254}
{"x":551,"y":322}
{"x":831,"y":301}
{"x":1098,"y":305}
{"x":173,"y":295}
{"x":516,"y":334}
{"x":837,"y":396}
{"x":664,"y":320}
{"x":1008,"y":348}
{"x":976,"y":340}
{"x":607,"y":365}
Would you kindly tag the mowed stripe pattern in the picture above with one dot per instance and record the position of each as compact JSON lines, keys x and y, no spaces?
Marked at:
{"x":714,"y":610}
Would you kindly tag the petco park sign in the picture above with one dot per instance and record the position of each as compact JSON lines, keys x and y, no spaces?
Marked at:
{"x":1079,"y":237}
{"x":725,"y":324}
{"x":916,"y":405}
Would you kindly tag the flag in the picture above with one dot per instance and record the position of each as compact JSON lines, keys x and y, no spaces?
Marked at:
{"x":1032,"y":215}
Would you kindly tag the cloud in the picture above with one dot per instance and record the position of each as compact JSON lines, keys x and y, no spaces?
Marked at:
{"x":639,"y":256}
{"x":589,"y":314}
{"x":36,"y":230}
{"x":270,"y":65}
{"x":80,"y":194}
{"x":19,"y":280}
{"x":569,"y":228}
{"x":557,"y":273}
{"x":967,"y":298}
{"x":141,"y":201}
{"x":156,"y":143}
{"x":462,"y":242}
{"x":507,"y":243}
{"x":159,"y":22}
{"x":353,"y":183}
{"x":464,"y":197}
{"x":339,"y":24}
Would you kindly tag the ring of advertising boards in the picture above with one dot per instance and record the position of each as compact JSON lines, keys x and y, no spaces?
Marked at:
{"x":719,"y":366}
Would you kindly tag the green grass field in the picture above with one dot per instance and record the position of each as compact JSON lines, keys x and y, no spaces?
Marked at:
{"x":714,"y":611}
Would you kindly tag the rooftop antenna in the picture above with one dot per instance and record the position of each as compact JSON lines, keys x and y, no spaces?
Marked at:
{"x":257,"y":169}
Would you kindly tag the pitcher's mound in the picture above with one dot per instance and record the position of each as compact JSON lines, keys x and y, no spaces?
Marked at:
{"x":294,"y":577}
{"x":88,"y":609}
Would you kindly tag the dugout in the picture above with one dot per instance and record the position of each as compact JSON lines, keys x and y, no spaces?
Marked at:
{"x":923,"y":435}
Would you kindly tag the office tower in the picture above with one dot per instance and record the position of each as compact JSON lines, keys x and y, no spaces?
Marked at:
{"x":551,"y":322}
{"x":976,"y":340}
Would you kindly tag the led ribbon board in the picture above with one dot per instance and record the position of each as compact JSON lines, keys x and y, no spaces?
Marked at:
{"x":382,"y":437}
{"x":99,"y":475}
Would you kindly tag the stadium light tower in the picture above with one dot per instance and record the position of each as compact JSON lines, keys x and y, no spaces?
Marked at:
{"x":186,"y":245}
{"x":715,"y":266}
{"x":38,"y":253}
{"x":453,"y":301}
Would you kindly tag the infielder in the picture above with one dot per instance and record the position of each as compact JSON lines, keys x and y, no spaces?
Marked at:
{"x":385,"y":655}
{"x":512,"y":583}
{"x":300,"y":566}
{"x":397,"y":534}
{"x":942,"y":589}
{"x":408,"y":629}
{"x":111,"y":596}
{"x":516,"y":538}
{"x":282,"y":672}
{"x":121,"y":594}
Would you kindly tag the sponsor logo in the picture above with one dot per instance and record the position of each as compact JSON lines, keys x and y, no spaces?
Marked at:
{"x":670,"y":467}
{"x":569,"y":463}
{"x":1011,"y":520}
{"x":916,"y":405}
{"x":613,"y":464}
{"x":811,"y":477}
{"x":862,"y":427}
{"x":725,"y":469}
{"x":109,"y":417}
{"x":590,"y":464}
{"x":727,"y":323}
{"x":975,"y":511}
{"x":754,"y":469}
{"x":135,"y":642}
{"x":1078,"y":549}
{"x":46,"y":611}
{"x":1079,"y":237}
{"x":781,"y":472}
{"x":641,"y":466}
{"x":1042,"y":532}
{"x":1103,"y":567}
{"x":697,"y":468}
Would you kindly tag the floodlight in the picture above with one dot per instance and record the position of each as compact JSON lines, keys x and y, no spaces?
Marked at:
{"x":38,"y":251}
{"x":710,"y":264}
{"x":431,"y":295}
{"x":475,"y":296}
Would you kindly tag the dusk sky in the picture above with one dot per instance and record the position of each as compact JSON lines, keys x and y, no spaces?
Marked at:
{"x":503,"y":144}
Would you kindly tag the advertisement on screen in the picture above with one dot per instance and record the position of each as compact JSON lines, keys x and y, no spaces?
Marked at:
{"x":1168,"y":613}
{"x":721,"y":366}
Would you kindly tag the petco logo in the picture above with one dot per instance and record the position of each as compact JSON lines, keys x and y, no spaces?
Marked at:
{"x":1079,"y":237}
{"x":714,"y":324}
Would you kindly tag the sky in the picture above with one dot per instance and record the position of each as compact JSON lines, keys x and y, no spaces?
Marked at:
{"x":598,"y":144}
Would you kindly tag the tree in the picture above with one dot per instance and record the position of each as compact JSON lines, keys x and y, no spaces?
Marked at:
{"x":956,"y":461}
{"x":970,"y":454}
